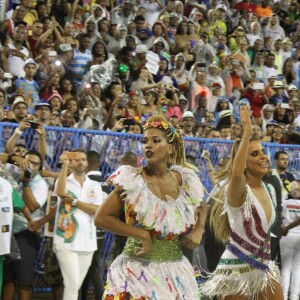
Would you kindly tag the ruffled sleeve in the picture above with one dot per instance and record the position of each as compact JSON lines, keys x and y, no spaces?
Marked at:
{"x":125,"y":177}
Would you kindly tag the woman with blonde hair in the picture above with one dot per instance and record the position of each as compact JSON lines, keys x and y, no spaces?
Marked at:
{"x":242,"y":217}
{"x":163,"y":209}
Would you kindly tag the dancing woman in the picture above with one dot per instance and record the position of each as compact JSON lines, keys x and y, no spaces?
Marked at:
{"x":242,"y":218}
{"x":163,"y":209}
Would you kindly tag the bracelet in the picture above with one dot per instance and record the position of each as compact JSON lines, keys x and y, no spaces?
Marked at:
{"x":18,"y":131}
{"x":25,"y":184}
{"x":74,"y":202}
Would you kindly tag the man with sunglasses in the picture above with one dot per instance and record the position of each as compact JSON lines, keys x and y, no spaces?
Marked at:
{"x":20,"y":275}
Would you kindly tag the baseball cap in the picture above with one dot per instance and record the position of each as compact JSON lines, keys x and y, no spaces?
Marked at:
{"x":272,"y":75}
{"x":30,"y":61}
{"x":141,"y":49}
{"x":272,"y":122}
{"x":173,"y":15}
{"x":188,"y":114}
{"x":287,"y":41}
{"x":65,"y":47}
{"x":225,"y":113}
{"x":292,"y":87}
{"x":159,"y":40}
{"x":41,"y":104}
{"x":283,"y":105}
{"x":223,"y":98}
{"x":268,"y":107}
{"x":278,"y":85}
{"x":216,"y":85}
{"x":18,"y":100}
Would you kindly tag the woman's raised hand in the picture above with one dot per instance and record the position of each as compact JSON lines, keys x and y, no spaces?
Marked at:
{"x":245,"y":117}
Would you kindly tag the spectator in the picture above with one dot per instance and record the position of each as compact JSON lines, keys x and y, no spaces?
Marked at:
{"x":14,"y":54}
{"x":73,"y":247}
{"x":281,"y":160}
{"x":34,"y":192}
{"x":27,"y":85}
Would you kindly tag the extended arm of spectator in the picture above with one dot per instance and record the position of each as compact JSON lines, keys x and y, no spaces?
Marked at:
{"x":45,"y":36}
{"x":36,"y":225}
{"x":47,"y":173}
{"x":14,"y":159}
{"x":61,"y":182}
{"x":72,"y":10}
{"x":210,"y":167}
{"x":42,"y":143}
{"x":11,"y":143}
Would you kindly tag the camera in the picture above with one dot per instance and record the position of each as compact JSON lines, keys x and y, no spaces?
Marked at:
{"x":34,"y":125}
{"x":28,"y":173}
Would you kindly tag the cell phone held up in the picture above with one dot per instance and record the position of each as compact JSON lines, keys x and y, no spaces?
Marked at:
{"x":128,"y":122}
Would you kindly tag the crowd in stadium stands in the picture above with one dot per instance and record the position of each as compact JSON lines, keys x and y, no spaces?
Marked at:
{"x":111,"y":65}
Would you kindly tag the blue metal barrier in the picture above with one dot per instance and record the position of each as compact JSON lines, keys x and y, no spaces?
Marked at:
{"x":111,"y":145}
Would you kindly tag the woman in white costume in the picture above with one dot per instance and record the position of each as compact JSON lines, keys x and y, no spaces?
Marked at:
{"x":243,"y":217}
{"x":163,"y":209}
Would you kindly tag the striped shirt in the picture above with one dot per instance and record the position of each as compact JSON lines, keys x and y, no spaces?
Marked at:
{"x":79,"y":63}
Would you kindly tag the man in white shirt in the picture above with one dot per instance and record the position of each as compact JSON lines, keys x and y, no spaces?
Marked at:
{"x":75,"y":233}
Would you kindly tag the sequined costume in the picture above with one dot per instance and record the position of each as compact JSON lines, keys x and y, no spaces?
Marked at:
{"x":164,"y":273}
{"x":245,"y":267}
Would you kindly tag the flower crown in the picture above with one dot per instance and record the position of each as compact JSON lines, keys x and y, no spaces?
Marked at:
{"x":164,"y":125}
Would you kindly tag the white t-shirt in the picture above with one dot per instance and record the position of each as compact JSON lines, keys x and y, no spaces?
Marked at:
{"x":290,"y":212}
{"x":6,"y":216}
{"x":75,"y":229}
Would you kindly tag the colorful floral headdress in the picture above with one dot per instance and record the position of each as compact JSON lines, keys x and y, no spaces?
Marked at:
{"x":164,"y":125}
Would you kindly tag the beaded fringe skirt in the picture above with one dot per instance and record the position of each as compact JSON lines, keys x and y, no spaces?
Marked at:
{"x":240,"y":280}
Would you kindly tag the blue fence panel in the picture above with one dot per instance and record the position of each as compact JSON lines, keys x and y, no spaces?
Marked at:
{"x":111,"y":145}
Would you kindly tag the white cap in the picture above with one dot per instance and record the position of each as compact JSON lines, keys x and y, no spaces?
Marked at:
{"x":278,"y":84}
{"x":292,"y":87}
{"x":188,"y":114}
{"x":30,"y":61}
{"x":141,"y":49}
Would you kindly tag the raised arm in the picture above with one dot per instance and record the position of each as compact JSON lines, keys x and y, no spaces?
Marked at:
{"x":62,"y":178}
{"x":236,"y":192}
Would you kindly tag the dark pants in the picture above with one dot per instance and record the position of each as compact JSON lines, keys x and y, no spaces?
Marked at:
{"x":23,"y":271}
{"x":213,"y":248}
{"x":95,"y":273}
{"x":275,"y":250}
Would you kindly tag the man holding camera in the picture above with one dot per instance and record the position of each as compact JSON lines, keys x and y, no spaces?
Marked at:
{"x":74,"y":232}
{"x":20,"y":274}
